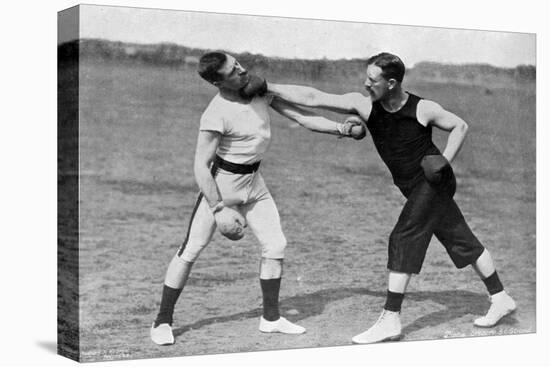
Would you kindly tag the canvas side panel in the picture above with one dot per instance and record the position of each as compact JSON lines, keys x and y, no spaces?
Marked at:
{"x":68,"y":341}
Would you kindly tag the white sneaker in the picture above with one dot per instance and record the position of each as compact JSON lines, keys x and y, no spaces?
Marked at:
{"x":386,"y":328}
{"x":501,"y":305}
{"x":281,"y":325}
{"x":162,"y":334}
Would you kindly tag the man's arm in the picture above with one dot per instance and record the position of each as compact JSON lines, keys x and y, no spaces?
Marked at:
{"x":433,"y":114}
{"x":207,"y":143}
{"x":354,"y":103}
{"x":229,"y":222}
{"x":313,"y":121}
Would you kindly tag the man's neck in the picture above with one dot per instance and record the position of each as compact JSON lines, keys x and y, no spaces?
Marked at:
{"x":232,"y":95}
{"x":395,"y":100}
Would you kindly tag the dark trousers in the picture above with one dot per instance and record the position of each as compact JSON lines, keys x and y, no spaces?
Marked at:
{"x":430,"y":209}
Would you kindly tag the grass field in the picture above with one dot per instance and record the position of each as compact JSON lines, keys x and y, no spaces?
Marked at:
{"x":138,"y":127}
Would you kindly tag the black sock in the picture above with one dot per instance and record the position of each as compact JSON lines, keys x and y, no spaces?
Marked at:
{"x":493,"y":284}
{"x":394,"y":301}
{"x":167,"y":303}
{"x":270,"y":293}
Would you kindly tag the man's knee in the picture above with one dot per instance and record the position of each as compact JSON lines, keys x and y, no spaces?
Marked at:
{"x":180,"y":259}
{"x":463,"y":257}
{"x":394,"y":237}
{"x":275,"y":249}
{"x":188,"y":256}
{"x":406,"y":255}
{"x":189,"y":253}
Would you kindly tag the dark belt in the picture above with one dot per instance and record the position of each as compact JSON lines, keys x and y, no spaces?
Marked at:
{"x":235,"y":167}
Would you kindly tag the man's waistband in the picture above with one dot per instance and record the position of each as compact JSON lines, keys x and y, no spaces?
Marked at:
{"x":241,"y":169}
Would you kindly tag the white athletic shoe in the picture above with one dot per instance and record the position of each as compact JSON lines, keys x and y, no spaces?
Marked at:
{"x":501,"y":305}
{"x":386,"y":328}
{"x":281,"y":325}
{"x":162,"y":334}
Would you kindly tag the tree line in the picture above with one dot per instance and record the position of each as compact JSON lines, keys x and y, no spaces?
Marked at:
{"x":177,"y":56}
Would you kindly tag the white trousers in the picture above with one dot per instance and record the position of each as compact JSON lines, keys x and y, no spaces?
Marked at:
{"x":248,"y":194}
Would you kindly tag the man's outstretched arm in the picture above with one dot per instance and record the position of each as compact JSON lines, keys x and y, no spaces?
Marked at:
{"x":354,"y":103}
{"x":318,"y":123}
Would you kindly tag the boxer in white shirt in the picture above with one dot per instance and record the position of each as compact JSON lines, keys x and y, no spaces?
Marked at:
{"x":234,"y":134}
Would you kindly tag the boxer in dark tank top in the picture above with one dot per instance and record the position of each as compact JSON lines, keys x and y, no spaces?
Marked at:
{"x":400,"y":124}
{"x":401,"y":141}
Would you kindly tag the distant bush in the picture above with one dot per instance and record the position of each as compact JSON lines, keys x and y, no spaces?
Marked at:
{"x":173,"y":55}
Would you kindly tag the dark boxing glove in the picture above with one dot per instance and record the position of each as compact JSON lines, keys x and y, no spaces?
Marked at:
{"x":256,"y":86}
{"x":436,"y":168}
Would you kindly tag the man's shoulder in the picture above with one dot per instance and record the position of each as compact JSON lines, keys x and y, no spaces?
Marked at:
{"x":360,"y":103}
{"x":427,"y":105}
{"x":427,"y":111}
{"x":215,"y":106}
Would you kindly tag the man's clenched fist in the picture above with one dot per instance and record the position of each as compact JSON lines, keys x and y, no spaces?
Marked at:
{"x":230,"y":223}
{"x":353,"y":126}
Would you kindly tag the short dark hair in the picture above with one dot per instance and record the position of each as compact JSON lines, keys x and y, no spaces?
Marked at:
{"x":209,"y":64}
{"x":391,"y":65}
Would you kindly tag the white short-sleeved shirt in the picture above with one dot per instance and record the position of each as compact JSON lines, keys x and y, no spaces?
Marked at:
{"x":245,"y":128}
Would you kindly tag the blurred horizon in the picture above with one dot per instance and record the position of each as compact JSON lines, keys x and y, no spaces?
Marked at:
{"x":352,"y":70}
{"x":160,"y":44}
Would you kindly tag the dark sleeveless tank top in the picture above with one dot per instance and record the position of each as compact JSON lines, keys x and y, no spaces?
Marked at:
{"x":401,"y":141}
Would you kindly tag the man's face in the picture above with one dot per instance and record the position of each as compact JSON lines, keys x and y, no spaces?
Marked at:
{"x":375,"y":84}
{"x":234,"y":76}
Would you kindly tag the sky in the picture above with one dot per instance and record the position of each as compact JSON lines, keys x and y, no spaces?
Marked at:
{"x":306,"y":38}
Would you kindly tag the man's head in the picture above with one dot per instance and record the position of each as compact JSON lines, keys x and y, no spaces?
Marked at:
{"x":385,"y":72}
{"x":222,"y":70}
